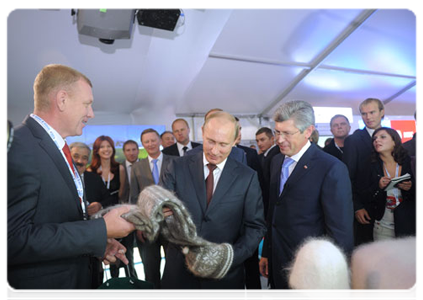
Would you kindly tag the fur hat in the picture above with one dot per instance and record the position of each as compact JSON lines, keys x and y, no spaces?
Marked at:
{"x":320,"y":271}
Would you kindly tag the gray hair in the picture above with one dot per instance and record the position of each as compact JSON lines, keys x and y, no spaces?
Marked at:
{"x":300,"y":111}
{"x":79,"y":145}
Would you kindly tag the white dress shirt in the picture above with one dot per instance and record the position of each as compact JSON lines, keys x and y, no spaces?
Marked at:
{"x":216,"y":173}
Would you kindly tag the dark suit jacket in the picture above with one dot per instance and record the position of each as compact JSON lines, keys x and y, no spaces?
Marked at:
{"x":49,"y":245}
{"x":234,"y":215}
{"x":410,"y":146}
{"x":252,"y":158}
{"x":405,"y":213}
{"x":333,"y":150}
{"x":316,"y":201}
{"x":141,"y":176}
{"x":357,"y":157}
{"x":95,"y":189}
{"x":265,"y":183}
{"x":173,"y":149}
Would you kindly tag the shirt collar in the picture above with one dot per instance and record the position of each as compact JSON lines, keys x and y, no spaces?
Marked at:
{"x":219,"y":166}
{"x":180,"y":146}
{"x":268,"y":150}
{"x":297,"y":157}
{"x":370,"y":131}
{"x":159,"y":158}
{"x":128,"y":163}
{"x":55,"y":136}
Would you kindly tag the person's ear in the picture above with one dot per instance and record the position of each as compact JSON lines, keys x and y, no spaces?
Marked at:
{"x":309,"y":130}
{"x":61,"y":100}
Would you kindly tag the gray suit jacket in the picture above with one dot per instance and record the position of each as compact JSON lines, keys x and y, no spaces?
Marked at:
{"x":235,"y":215}
{"x":141,"y":176}
{"x":49,"y":245}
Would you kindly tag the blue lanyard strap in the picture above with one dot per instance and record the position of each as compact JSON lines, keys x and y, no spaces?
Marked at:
{"x":75,"y":175}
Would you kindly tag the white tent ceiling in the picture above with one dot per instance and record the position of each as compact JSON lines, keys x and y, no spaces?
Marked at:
{"x":244,"y":61}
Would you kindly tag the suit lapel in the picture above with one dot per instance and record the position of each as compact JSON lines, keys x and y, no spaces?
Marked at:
{"x":51,"y":149}
{"x":196,"y":169}
{"x":366,"y":139}
{"x":304,"y":165}
{"x":228,"y":176}
{"x":146,"y":170}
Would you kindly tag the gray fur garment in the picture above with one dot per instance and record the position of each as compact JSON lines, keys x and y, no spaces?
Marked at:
{"x":203,"y":258}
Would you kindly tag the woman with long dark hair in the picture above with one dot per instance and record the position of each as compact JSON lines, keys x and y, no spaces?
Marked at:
{"x":103,"y":163}
{"x":394,"y":209}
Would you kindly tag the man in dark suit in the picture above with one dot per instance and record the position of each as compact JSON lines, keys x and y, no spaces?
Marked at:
{"x":142,"y":175}
{"x":267,"y":149}
{"x":340,"y":128}
{"x":252,"y":272}
{"x":167,"y":139}
{"x":232,"y":212}
{"x":357,"y":157}
{"x":236,"y":153}
{"x":310,"y":194}
{"x":252,"y":157}
{"x":180,"y":129}
{"x":266,"y":143}
{"x":50,"y":241}
{"x":413,"y":145}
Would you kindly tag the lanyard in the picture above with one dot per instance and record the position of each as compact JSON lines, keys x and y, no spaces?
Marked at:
{"x":75,"y":175}
{"x":395,"y":190}
{"x":108,"y":179}
{"x":336,"y":145}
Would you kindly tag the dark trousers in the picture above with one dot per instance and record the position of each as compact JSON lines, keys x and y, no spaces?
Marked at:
{"x":362,"y":233}
{"x":128,"y":242}
{"x":252,"y":272}
{"x":151,"y":259}
{"x":97,"y":272}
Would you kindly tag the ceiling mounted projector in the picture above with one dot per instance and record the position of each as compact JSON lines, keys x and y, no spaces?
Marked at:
{"x":165,"y":19}
{"x":106,"y":24}
{"x":110,"y":24}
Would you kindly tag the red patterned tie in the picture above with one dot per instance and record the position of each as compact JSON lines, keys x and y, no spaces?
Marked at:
{"x":210,"y":182}
{"x":67,"y":153}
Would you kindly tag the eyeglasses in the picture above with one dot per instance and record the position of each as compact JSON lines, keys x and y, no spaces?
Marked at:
{"x":286,"y":135}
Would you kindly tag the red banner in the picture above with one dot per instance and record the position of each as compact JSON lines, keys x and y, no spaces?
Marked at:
{"x":405,"y":128}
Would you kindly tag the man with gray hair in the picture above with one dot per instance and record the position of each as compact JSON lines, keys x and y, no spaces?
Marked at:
{"x":310,"y":194}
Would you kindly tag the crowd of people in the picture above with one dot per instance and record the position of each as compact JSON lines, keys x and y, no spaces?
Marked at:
{"x":289,"y":190}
